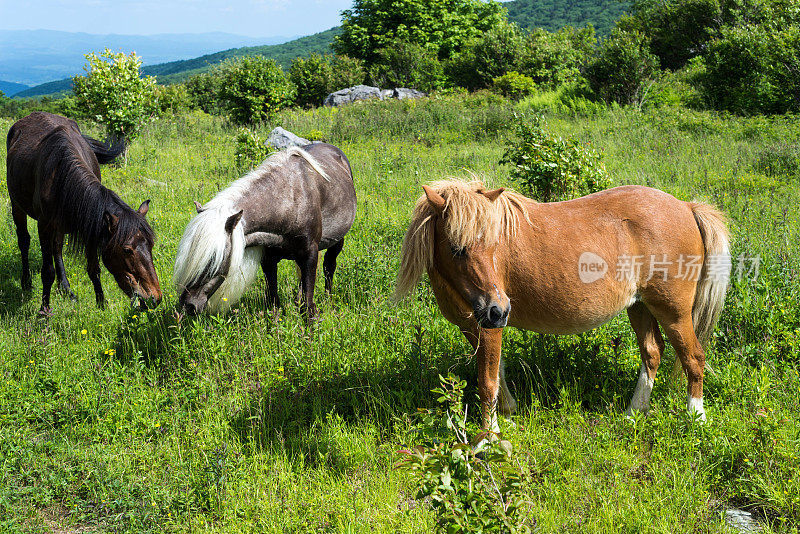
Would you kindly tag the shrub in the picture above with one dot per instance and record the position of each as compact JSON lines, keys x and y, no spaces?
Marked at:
{"x":623,"y":68}
{"x":487,"y":57}
{"x":347,"y":72}
{"x":173,"y":98}
{"x":405,"y":64}
{"x":557,"y":58}
{"x":250,"y":149}
{"x":113,"y":93}
{"x":470,"y":490}
{"x":514,"y":85}
{"x":550,"y":168}
{"x":254,"y":88}
{"x":203,"y":91}
{"x":312,"y":77}
{"x":752,"y":69}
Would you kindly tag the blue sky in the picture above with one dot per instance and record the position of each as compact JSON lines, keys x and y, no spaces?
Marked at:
{"x":257,"y":18}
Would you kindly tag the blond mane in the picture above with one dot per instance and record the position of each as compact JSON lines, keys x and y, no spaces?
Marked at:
{"x":469,"y":218}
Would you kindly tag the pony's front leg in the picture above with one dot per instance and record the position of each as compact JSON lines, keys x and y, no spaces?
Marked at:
{"x":61,"y":272}
{"x":93,"y":268}
{"x":490,"y":343}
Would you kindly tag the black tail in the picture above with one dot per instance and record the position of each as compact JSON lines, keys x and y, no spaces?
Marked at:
{"x":106,"y":152}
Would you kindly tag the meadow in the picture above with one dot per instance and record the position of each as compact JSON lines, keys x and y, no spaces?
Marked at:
{"x":120,"y":420}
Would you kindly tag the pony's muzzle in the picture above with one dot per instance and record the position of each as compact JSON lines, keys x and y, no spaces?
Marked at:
{"x":493,"y":315}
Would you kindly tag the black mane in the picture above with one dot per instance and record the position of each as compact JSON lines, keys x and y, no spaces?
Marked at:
{"x":83,"y":201}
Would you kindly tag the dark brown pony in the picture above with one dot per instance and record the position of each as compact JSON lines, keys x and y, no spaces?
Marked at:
{"x":496,"y":259}
{"x":53,"y":176}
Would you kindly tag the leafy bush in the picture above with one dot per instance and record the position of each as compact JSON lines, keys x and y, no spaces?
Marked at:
{"x":250,"y":149}
{"x":623,"y":68}
{"x":557,"y":58}
{"x":753,"y":69}
{"x":254,"y":88}
{"x":514,"y":85}
{"x":173,"y":98}
{"x":470,"y":490}
{"x":203,"y":91}
{"x":114,"y":94}
{"x":491,"y":55}
{"x":312,"y":78}
{"x":550,"y":168}
{"x":405,"y":64}
{"x":347,"y":72}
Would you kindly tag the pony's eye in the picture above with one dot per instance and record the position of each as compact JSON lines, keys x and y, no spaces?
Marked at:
{"x":128,"y":251}
{"x":458,"y":252}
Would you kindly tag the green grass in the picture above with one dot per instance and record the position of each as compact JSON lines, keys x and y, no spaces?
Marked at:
{"x":254,"y":422}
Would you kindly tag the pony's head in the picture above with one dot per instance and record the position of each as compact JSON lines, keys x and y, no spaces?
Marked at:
{"x":455,"y":232}
{"x":128,"y":254}
{"x":212,"y":269}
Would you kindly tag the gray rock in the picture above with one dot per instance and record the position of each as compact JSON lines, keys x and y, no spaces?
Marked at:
{"x":741,"y":521}
{"x":282,"y":139}
{"x":402,"y":93}
{"x":387,"y":93}
{"x":352,"y":94}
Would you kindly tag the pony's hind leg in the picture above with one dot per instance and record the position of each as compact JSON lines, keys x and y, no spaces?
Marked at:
{"x":651,"y":347}
{"x":678,"y":327}
{"x":24,"y":243}
{"x":307,"y":261}
{"x":61,"y":273}
{"x":682,"y":337}
{"x":329,"y":263}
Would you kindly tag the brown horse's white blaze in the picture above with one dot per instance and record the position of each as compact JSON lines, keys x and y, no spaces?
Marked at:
{"x":496,"y":258}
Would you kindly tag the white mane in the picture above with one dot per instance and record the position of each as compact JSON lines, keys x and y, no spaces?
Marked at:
{"x":201,"y":251}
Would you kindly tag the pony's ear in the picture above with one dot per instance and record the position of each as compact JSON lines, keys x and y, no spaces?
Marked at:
{"x":110,"y":221}
{"x":232,"y":221}
{"x":144,"y":207}
{"x":199,"y":207}
{"x":493,"y":194}
{"x":436,"y":200}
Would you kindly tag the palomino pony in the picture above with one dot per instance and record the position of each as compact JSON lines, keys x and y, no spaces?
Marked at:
{"x":496,"y":258}
{"x":54,"y":177}
{"x":295,"y":204}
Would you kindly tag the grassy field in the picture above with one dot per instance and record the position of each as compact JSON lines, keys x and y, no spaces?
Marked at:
{"x":127,"y":421}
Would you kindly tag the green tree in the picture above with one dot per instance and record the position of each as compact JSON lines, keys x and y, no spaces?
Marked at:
{"x":486,"y":57}
{"x":254,"y":88}
{"x":441,"y":26}
{"x":404,"y":64}
{"x":312,"y":77}
{"x":203,"y":90}
{"x":556,"y":58}
{"x":114,"y":94}
{"x":752,"y":69}
{"x":623,"y":68}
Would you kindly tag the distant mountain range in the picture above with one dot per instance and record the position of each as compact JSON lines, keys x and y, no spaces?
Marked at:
{"x":35,"y":56}
{"x":529,"y":14}
{"x":11,"y":88}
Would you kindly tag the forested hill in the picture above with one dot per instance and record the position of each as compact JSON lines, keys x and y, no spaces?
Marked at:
{"x":555,"y":14}
{"x":548,"y":14}
{"x":176,"y":71}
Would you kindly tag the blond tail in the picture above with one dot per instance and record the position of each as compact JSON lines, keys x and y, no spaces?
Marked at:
{"x":713,"y":283}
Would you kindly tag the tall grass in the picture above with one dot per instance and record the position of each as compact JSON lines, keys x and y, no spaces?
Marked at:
{"x":120,"y":420}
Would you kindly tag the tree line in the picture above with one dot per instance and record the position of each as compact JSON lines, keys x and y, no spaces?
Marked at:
{"x":741,"y":56}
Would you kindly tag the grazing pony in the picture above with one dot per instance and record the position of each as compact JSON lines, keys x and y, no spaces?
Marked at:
{"x":296,"y":203}
{"x":496,"y":258}
{"x":53,"y":176}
